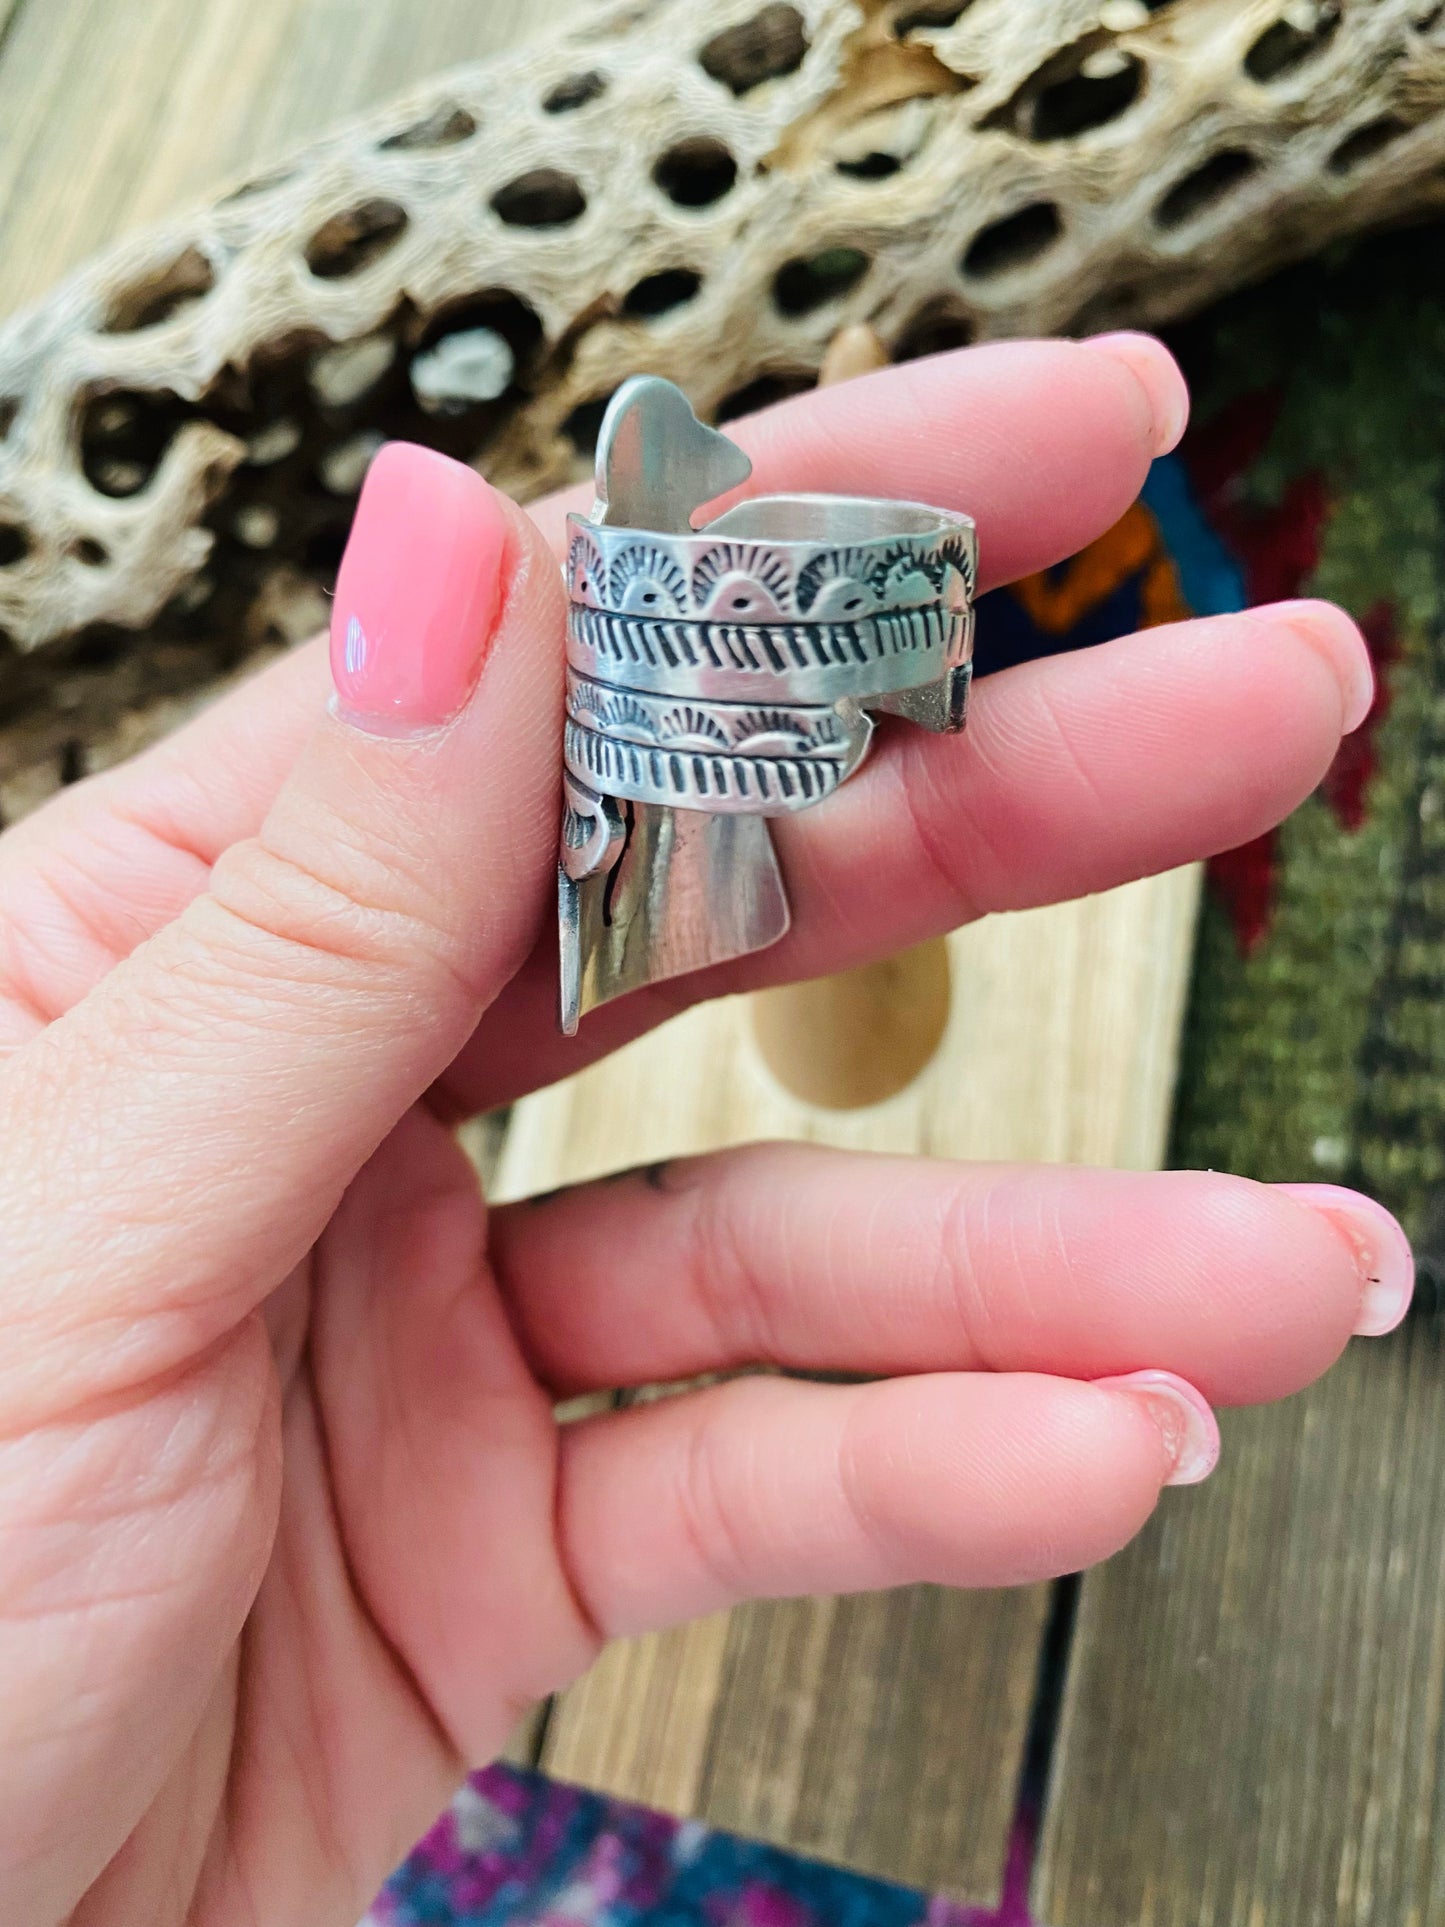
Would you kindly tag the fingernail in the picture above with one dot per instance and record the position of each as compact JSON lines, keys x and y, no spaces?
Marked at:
{"x":1382,"y":1253}
{"x":418,"y":593}
{"x":1191,"y":1435}
{"x":1158,"y":374}
{"x":1336,"y":635}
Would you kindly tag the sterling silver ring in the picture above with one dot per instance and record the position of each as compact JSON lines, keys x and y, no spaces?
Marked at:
{"x":720,"y":675}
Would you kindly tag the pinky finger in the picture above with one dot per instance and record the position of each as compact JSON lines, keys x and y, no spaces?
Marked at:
{"x":766,"y":1488}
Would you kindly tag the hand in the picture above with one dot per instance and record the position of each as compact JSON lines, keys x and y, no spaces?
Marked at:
{"x":288,"y":1534}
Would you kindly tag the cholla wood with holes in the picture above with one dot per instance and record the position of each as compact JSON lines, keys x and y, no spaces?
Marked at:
{"x":183,"y":425}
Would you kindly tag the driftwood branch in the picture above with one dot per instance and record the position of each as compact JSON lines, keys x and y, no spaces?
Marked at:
{"x":708,"y":192}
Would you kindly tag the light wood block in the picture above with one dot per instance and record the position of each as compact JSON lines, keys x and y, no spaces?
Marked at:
{"x":1060,"y":1044}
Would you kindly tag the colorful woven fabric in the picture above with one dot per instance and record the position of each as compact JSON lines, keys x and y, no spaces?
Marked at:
{"x":1316,"y":1042}
{"x":515,"y":1848}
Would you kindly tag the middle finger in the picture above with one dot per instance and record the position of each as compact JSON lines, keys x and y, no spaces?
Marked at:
{"x":818,"y":1259}
{"x":1076,"y":773}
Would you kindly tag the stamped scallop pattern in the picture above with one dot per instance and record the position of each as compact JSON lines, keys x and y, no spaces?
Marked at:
{"x":643,"y":579}
{"x":842,"y":585}
{"x":783,"y":730}
{"x":741,"y":582}
{"x":692,"y":727}
{"x":586,"y":575}
{"x":631,"y":572}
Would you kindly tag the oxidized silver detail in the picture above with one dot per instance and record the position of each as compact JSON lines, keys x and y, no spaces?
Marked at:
{"x":894,"y":567}
{"x":817,"y":661}
{"x":722,"y":673}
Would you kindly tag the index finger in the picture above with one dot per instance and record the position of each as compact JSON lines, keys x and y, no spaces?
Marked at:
{"x":1043,"y":443}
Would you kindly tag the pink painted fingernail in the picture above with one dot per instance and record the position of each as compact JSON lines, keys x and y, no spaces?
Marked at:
{"x":418,"y":593}
{"x":1381,"y":1251}
{"x":1183,"y":1415}
{"x":1337,"y":636}
{"x":1158,"y":374}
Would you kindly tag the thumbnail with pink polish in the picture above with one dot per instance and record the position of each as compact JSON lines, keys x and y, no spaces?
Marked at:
{"x":418,"y":593}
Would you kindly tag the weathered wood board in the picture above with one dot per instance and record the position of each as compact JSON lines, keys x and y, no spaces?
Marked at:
{"x":1252,"y":1732}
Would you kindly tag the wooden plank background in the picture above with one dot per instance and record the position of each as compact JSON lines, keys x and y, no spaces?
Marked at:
{"x":1253,"y":1732}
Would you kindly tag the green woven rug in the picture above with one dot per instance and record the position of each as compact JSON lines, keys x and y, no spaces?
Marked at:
{"x":1316,"y":1037}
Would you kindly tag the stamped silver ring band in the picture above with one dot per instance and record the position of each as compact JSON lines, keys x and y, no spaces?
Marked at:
{"x":720,"y":675}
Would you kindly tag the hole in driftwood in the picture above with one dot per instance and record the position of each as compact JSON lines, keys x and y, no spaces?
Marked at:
{"x":574,"y":92}
{"x":92,"y":553}
{"x":544,"y":197}
{"x":696,"y":172}
{"x":656,"y":293}
{"x":505,"y":313}
{"x":9,"y":409}
{"x":1290,"y":42}
{"x":1014,"y":242}
{"x":159,"y":296}
{"x":323,"y":552}
{"x":445,"y":126}
{"x":769,"y":45}
{"x":467,"y":347}
{"x":1205,"y":187}
{"x":124,"y":436}
{"x":870,"y":167}
{"x":1114,"y":307}
{"x":763,"y":391}
{"x":860,"y":1037}
{"x":802,"y":285}
{"x":99,"y":647}
{"x":1082,"y":88}
{"x":14,"y":544}
{"x":584,"y":424}
{"x":938,"y":325}
{"x":1366,"y":142}
{"x":352,"y":240}
{"x":935,"y":14}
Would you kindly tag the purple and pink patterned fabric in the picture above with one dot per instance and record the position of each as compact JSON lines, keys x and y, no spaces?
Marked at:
{"x":518,"y":1850}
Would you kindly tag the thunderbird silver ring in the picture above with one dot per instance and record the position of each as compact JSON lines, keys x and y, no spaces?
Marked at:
{"x":722,"y":674}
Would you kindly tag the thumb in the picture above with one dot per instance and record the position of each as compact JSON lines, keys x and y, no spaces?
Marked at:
{"x":197,"y":1117}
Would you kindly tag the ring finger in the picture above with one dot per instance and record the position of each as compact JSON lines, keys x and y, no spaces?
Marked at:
{"x":828,"y":1260}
